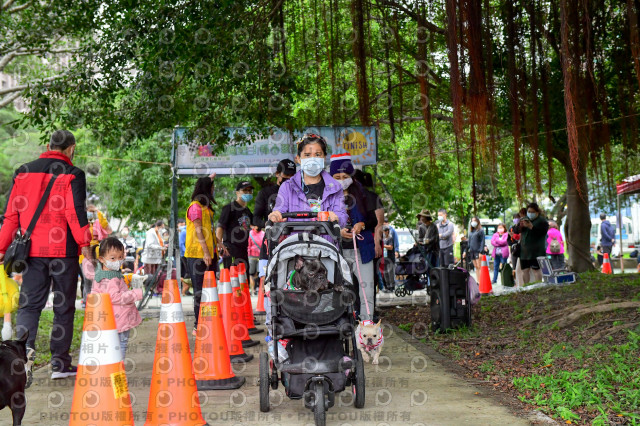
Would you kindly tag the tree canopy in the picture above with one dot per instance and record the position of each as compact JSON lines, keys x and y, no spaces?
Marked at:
{"x":480,"y":103}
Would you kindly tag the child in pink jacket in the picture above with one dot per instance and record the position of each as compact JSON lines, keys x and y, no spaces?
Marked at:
{"x":107,"y":278}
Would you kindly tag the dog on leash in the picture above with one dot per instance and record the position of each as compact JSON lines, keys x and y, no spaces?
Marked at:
{"x":369,"y":340}
{"x":13,"y":377}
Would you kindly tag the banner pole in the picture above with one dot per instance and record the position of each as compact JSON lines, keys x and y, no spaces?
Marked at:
{"x":174,"y":216}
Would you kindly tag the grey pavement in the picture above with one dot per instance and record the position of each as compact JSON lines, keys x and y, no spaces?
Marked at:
{"x":408,"y":387}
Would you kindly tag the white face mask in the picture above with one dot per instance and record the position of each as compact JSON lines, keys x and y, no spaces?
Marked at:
{"x":113,"y":265}
{"x":440,"y":218}
{"x":474,"y":224}
{"x":312,"y":166}
{"x":346,"y":183}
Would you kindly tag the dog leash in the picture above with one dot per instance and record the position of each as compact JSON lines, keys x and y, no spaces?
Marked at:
{"x":355,"y":252}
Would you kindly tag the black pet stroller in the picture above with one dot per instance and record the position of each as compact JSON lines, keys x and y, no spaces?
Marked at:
{"x":415,"y":269}
{"x":320,"y":327}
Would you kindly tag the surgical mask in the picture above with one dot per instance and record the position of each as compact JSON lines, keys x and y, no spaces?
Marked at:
{"x":246,"y":197}
{"x":113,"y":265}
{"x":532,"y":215}
{"x":312,"y":166}
{"x":500,"y":231}
{"x":346,"y":183}
{"x":125,"y":234}
{"x":515,"y":221}
{"x":440,"y":218}
{"x":474,"y":224}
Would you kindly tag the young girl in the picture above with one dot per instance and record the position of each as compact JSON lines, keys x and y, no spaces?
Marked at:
{"x":107,"y":278}
{"x":500,"y":254}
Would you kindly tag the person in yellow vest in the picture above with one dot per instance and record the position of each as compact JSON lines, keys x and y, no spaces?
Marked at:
{"x":201,"y":245}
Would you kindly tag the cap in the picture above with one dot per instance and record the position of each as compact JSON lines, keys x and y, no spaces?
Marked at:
{"x":286,"y":167}
{"x":243,"y":184}
{"x":426,"y":213}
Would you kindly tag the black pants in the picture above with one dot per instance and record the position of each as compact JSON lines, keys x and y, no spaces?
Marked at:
{"x":61,"y":275}
{"x":197,"y":268}
{"x":227,"y":261}
{"x":446,"y":257}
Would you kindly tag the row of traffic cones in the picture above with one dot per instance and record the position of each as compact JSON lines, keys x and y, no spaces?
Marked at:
{"x":101,"y":393}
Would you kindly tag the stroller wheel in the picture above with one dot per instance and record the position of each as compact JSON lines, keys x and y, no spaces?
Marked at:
{"x":264,"y":382}
{"x":409,"y":292}
{"x":319,"y":410}
{"x":399,"y":292}
{"x":358,"y":385}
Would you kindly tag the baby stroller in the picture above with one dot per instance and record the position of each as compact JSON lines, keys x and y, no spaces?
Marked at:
{"x":319,"y":326}
{"x":416,"y":269}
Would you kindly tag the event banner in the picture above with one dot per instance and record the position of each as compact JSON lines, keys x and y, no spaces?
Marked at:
{"x":257,"y":155}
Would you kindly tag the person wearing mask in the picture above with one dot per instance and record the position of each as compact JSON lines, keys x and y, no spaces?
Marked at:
{"x":445,"y":232}
{"x":476,"y":242}
{"x":154,"y":247}
{"x":428,"y":237}
{"x":500,"y":254}
{"x":360,"y":223}
{"x":200,"y":240}
{"x":265,"y":201}
{"x":555,"y":246}
{"x":514,"y":248}
{"x":256,"y":236}
{"x":533,"y":235}
{"x":234,"y":226}
{"x":56,"y":243}
{"x":130,"y":247}
{"x":311,"y":188}
{"x":607,"y":235}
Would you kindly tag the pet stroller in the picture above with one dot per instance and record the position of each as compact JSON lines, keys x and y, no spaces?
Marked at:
{"x":319,"y":327}
{"x":415,"y":268}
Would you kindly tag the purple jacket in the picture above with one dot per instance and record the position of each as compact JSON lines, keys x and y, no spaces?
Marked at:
{"x":292,"y":199}
{"x":501,"y":243}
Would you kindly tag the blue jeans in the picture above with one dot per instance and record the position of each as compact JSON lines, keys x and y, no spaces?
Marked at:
{"x":124,"y":342}
{"x":497,"y":261}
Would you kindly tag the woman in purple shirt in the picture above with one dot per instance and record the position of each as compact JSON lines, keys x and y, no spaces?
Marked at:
{"x":311,"y":188}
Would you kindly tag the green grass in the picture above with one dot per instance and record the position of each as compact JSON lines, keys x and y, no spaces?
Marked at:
{"x":406,"y":327}
{"x":43,"y":354}
{"x":610,"y":384}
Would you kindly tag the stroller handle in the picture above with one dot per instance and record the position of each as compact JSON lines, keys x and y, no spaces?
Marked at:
{"x":275,"y":230}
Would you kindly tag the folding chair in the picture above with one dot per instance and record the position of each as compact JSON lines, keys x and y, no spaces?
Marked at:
{"x":558,"y":276}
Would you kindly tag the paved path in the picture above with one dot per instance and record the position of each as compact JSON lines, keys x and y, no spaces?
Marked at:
{"x":408,"y":387}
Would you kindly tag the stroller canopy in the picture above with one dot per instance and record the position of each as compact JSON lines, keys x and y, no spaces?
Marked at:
{"x":282,"y":259}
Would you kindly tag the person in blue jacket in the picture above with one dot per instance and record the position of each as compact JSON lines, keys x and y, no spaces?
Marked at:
{"x":607,"y":235}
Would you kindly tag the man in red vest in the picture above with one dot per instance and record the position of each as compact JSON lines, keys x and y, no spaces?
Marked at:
{"x":60,"y":234}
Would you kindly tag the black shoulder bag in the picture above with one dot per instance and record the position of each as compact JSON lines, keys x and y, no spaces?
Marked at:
{"x":15,"y":259}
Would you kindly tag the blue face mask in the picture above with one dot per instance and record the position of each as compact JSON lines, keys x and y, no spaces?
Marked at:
{"x":531,"y":215}
{"x":312,"y":166}
{"x":246,"y":197}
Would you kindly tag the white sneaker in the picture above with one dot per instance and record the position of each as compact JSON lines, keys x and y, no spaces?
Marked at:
{"x":66,"y":372}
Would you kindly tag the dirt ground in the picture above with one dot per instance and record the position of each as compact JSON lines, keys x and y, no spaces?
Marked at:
{"x":522,"y":343}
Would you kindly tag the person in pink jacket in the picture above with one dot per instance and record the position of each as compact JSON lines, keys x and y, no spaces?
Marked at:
{"x":555,"y":246}
{"x":500,"y":249}
{"x":107,"y":278}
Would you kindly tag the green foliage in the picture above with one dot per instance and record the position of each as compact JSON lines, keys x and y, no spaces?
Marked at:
{"x":611,"y":384}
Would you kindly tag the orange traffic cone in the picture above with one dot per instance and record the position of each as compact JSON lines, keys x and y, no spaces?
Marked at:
{"x":606,"y":265}
{"x":238,"y":310}
{"x":211,"y":362}
{"x":173,"y":398}
{"x":485,"y":278}
{"x":260,"y":305}
{"x":230,"y":321}
{"x":247,"y":314}
{"x":101,"y":393}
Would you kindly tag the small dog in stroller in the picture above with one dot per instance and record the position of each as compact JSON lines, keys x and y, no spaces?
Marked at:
{"x":310,"y":313}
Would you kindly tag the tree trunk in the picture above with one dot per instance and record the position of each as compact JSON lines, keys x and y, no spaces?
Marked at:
{"x":578,"y":222}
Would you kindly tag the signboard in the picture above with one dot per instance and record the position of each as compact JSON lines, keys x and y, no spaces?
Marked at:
{"x":261,"y":154}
